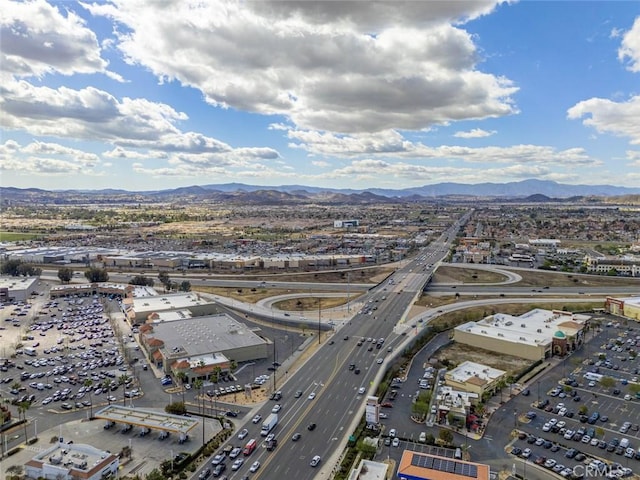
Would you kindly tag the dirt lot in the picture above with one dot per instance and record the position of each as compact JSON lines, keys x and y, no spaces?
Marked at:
{"x":457,"y":351}
{"x":537,"y":278}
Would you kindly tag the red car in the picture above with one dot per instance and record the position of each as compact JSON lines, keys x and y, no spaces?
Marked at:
{"x":387,"y":405}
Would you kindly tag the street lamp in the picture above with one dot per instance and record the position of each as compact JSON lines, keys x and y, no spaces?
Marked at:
{"x":538,"y":392}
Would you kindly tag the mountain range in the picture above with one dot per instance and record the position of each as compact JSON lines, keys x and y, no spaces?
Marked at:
{"x":526,"y":190}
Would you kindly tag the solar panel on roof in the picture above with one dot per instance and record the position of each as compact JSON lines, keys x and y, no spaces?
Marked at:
{"x":444,"y":465}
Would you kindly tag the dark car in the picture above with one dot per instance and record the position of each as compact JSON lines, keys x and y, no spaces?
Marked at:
{"x":221,"y":467}
{"x":231,"y":413}
{"x":526,"y":392}
{"x":296,"y":437}
{"x":311,"y":426}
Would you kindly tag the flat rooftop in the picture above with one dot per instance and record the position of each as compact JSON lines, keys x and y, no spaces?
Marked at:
{"x":17,"y":283}
{"x":467,"y":370}
{"x":203,"y":335}
{"x":535,"y":327}
{"x":78,"y":456}
{"x":152,"y":419}
{"x":174,"y":301}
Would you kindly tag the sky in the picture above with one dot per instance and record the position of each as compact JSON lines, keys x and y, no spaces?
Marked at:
{"x":157,"y":94}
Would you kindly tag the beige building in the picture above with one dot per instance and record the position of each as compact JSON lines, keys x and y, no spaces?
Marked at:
{"x":535,"y":335}
{"x":70,"y":461}
{"x":140,"y":310}
{"x":626,"y":307}
{"x":469,"y":377}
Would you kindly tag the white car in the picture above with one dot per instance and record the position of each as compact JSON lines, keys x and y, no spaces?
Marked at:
{"x":235,"y":452}
{"x":243,"y":433}
{"x":546,"y":427}
{"x":562,"y":412}
{"x":561,"y":424}
{"x":395,"y":442}
{"x":379,"y":361}
{"x":315,"y":461}
{"x":311,"y":396}
{"x":276,"y":408}
{"x":257,"y":418}
{"x":270,"y":437}
{"x":392,"y":432}
{"x":361,"y":390}
{"x":254,"y":466}
{"x":237,"y":464}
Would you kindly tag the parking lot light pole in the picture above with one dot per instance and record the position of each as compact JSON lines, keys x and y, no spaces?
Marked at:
{"x":538,"y":392}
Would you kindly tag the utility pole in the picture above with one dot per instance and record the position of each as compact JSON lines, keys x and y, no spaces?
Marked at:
{"x":319,"y":316}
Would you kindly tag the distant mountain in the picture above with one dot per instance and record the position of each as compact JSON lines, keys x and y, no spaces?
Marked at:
{"x":526,"y":190}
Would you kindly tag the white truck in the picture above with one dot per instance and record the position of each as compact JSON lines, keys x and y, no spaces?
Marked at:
{"x":269,"y":424}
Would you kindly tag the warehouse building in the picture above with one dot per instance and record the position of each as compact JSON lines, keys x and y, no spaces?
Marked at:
{"x":139,"y":310}
{"x":17,"y":289}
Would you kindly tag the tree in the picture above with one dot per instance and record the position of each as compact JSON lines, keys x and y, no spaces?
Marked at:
{"x":185,"y":286}
{"x":198,"y":384}
{"x":176,"y":408}
{"x":607,"y":382}
{"x":142,"y":280}
{"x":445,"y":436}
{"x":583,"y":410}
{"x":155,"y":474}
{"x":65,"y":274}
{"x":123,"y":380}
{"x":164,"y":278}
{"x":182,"y":377}
{"x":97,"y":275}
{"x":88,"y":383}
{"x":11,"y":267}
{"x":23,"y":407}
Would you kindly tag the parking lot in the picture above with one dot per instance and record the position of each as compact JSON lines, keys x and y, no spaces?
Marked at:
{"x":592,"y":413}
{"x":64,"y":354}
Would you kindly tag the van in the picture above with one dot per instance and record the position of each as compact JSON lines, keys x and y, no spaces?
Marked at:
{"x":458,"y":454}
{"x":624,"y":443}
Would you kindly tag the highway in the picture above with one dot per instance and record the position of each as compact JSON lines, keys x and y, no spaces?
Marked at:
{"x":337,"y":407}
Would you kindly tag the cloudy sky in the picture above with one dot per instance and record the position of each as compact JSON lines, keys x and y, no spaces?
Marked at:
{"x":150,"y":94}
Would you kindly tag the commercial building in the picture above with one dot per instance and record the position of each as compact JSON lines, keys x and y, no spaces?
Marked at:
{"x":626,"y":307}
{"x":628,"y":265}
{"x":17,"y":289}
{"x":369,"y":470}
{"x":72,"y":461}
{"x":423,"y":466}
{"x":535,"y":335}
{"x":139,"y":310}
{"x":200,"y":346}
{"x":115,"y":289}
{"x":469,"y":377}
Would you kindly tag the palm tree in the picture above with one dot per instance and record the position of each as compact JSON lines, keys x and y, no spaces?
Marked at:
{"x":198,"y":384}
{"x":106,"y":387}
{"x":182,"y":377}
{"x":22,"y":409}
{"x":88,"y":383}
{"x":122,"y":380}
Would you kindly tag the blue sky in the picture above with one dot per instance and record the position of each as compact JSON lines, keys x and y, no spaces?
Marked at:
{"x":145,"y":95}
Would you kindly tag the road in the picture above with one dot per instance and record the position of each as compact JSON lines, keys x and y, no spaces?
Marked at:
{"x":337,"y":407}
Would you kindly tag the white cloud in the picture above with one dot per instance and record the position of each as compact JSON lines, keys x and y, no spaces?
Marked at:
{"x":606,"y":116}
{"x":392,"y":144}
{"x":474,"y":133}
{"x":38,"y":39}
{"x":333,"y":66}
{"x":42,"y":158}
{"x":629,"y":50}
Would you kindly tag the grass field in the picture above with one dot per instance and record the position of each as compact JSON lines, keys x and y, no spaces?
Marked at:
{"x":18,"y":237}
